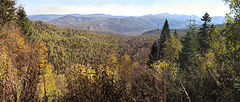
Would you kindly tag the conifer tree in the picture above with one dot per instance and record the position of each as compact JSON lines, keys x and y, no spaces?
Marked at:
{"x":188,"y":72}
{"x":189,"y":50}
{"x":7,"y":12}
{"x":157,"y":48}
{"x":25,"y":23}
{"x":203,"y":36}
{"x":165,"y":34}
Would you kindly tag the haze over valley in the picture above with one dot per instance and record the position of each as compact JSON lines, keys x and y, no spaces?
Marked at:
{"x":123,"y":25}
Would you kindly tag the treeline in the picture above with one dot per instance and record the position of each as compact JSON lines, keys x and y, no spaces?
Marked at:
{"x":42,"y":62}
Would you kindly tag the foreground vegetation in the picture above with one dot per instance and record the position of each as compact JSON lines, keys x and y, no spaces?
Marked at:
{"x":42,"y":62}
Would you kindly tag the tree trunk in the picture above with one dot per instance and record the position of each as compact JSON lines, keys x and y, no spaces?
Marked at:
{"x":184,"y":89}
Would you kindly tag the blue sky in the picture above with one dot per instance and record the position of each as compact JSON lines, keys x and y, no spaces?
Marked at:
{"x":125,"y":7}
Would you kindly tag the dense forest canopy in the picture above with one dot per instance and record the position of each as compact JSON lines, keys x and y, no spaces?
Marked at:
{"x":45,"y":63}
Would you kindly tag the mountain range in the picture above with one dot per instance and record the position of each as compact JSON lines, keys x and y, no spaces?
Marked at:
{"x":123,"y":25}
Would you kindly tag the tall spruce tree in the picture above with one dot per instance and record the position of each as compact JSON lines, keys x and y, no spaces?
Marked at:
{"x":7,"y":12}
{"x":25,"y":23}
{"x":189,"y":50}
{"x":204,"y":34}
{"x":157,"y":48}
{"x":189,"y":73}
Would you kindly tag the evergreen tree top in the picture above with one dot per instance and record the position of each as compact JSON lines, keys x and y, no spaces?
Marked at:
{"x":165,"y":34}
{"x":166,"y":26}
{"x":21,"y":12}
{"x":206,"y":18}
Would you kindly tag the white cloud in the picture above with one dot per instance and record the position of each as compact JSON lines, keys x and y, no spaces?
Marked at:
{"x":129,"y":10}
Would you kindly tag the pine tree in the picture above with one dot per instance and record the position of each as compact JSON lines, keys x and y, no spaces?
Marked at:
{"x":203,"y":36}
{"x":188,"y":72}
{"x":25,"y":23}
{"x":165,"y":34}
{"x":7,"y":12}
{"x":189,"y":50}
{"x":157,"y":48}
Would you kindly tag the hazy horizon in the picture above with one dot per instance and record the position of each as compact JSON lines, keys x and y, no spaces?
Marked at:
{"x":125,"y":7}
{"x":118,"y":15}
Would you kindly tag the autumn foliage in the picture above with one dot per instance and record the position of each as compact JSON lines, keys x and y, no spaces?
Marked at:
{"x":40,"y":62}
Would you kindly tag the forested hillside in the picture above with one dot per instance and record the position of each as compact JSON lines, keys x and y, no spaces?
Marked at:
{"x":68,"y":46}
{"x":180,"y":32}
{"x":40,"y":62}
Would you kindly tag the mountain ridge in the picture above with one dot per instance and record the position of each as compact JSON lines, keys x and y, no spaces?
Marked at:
{"x":123,"y":25}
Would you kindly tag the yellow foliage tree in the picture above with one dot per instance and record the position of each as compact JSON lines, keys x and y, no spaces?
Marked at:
{"x":16,"y":60}
{"x":171,"y":50}
{"x":167,"y":66}
{"x":48,"y":90}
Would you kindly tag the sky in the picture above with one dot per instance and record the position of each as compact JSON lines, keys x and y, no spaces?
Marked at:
{"x":125,"y":7}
